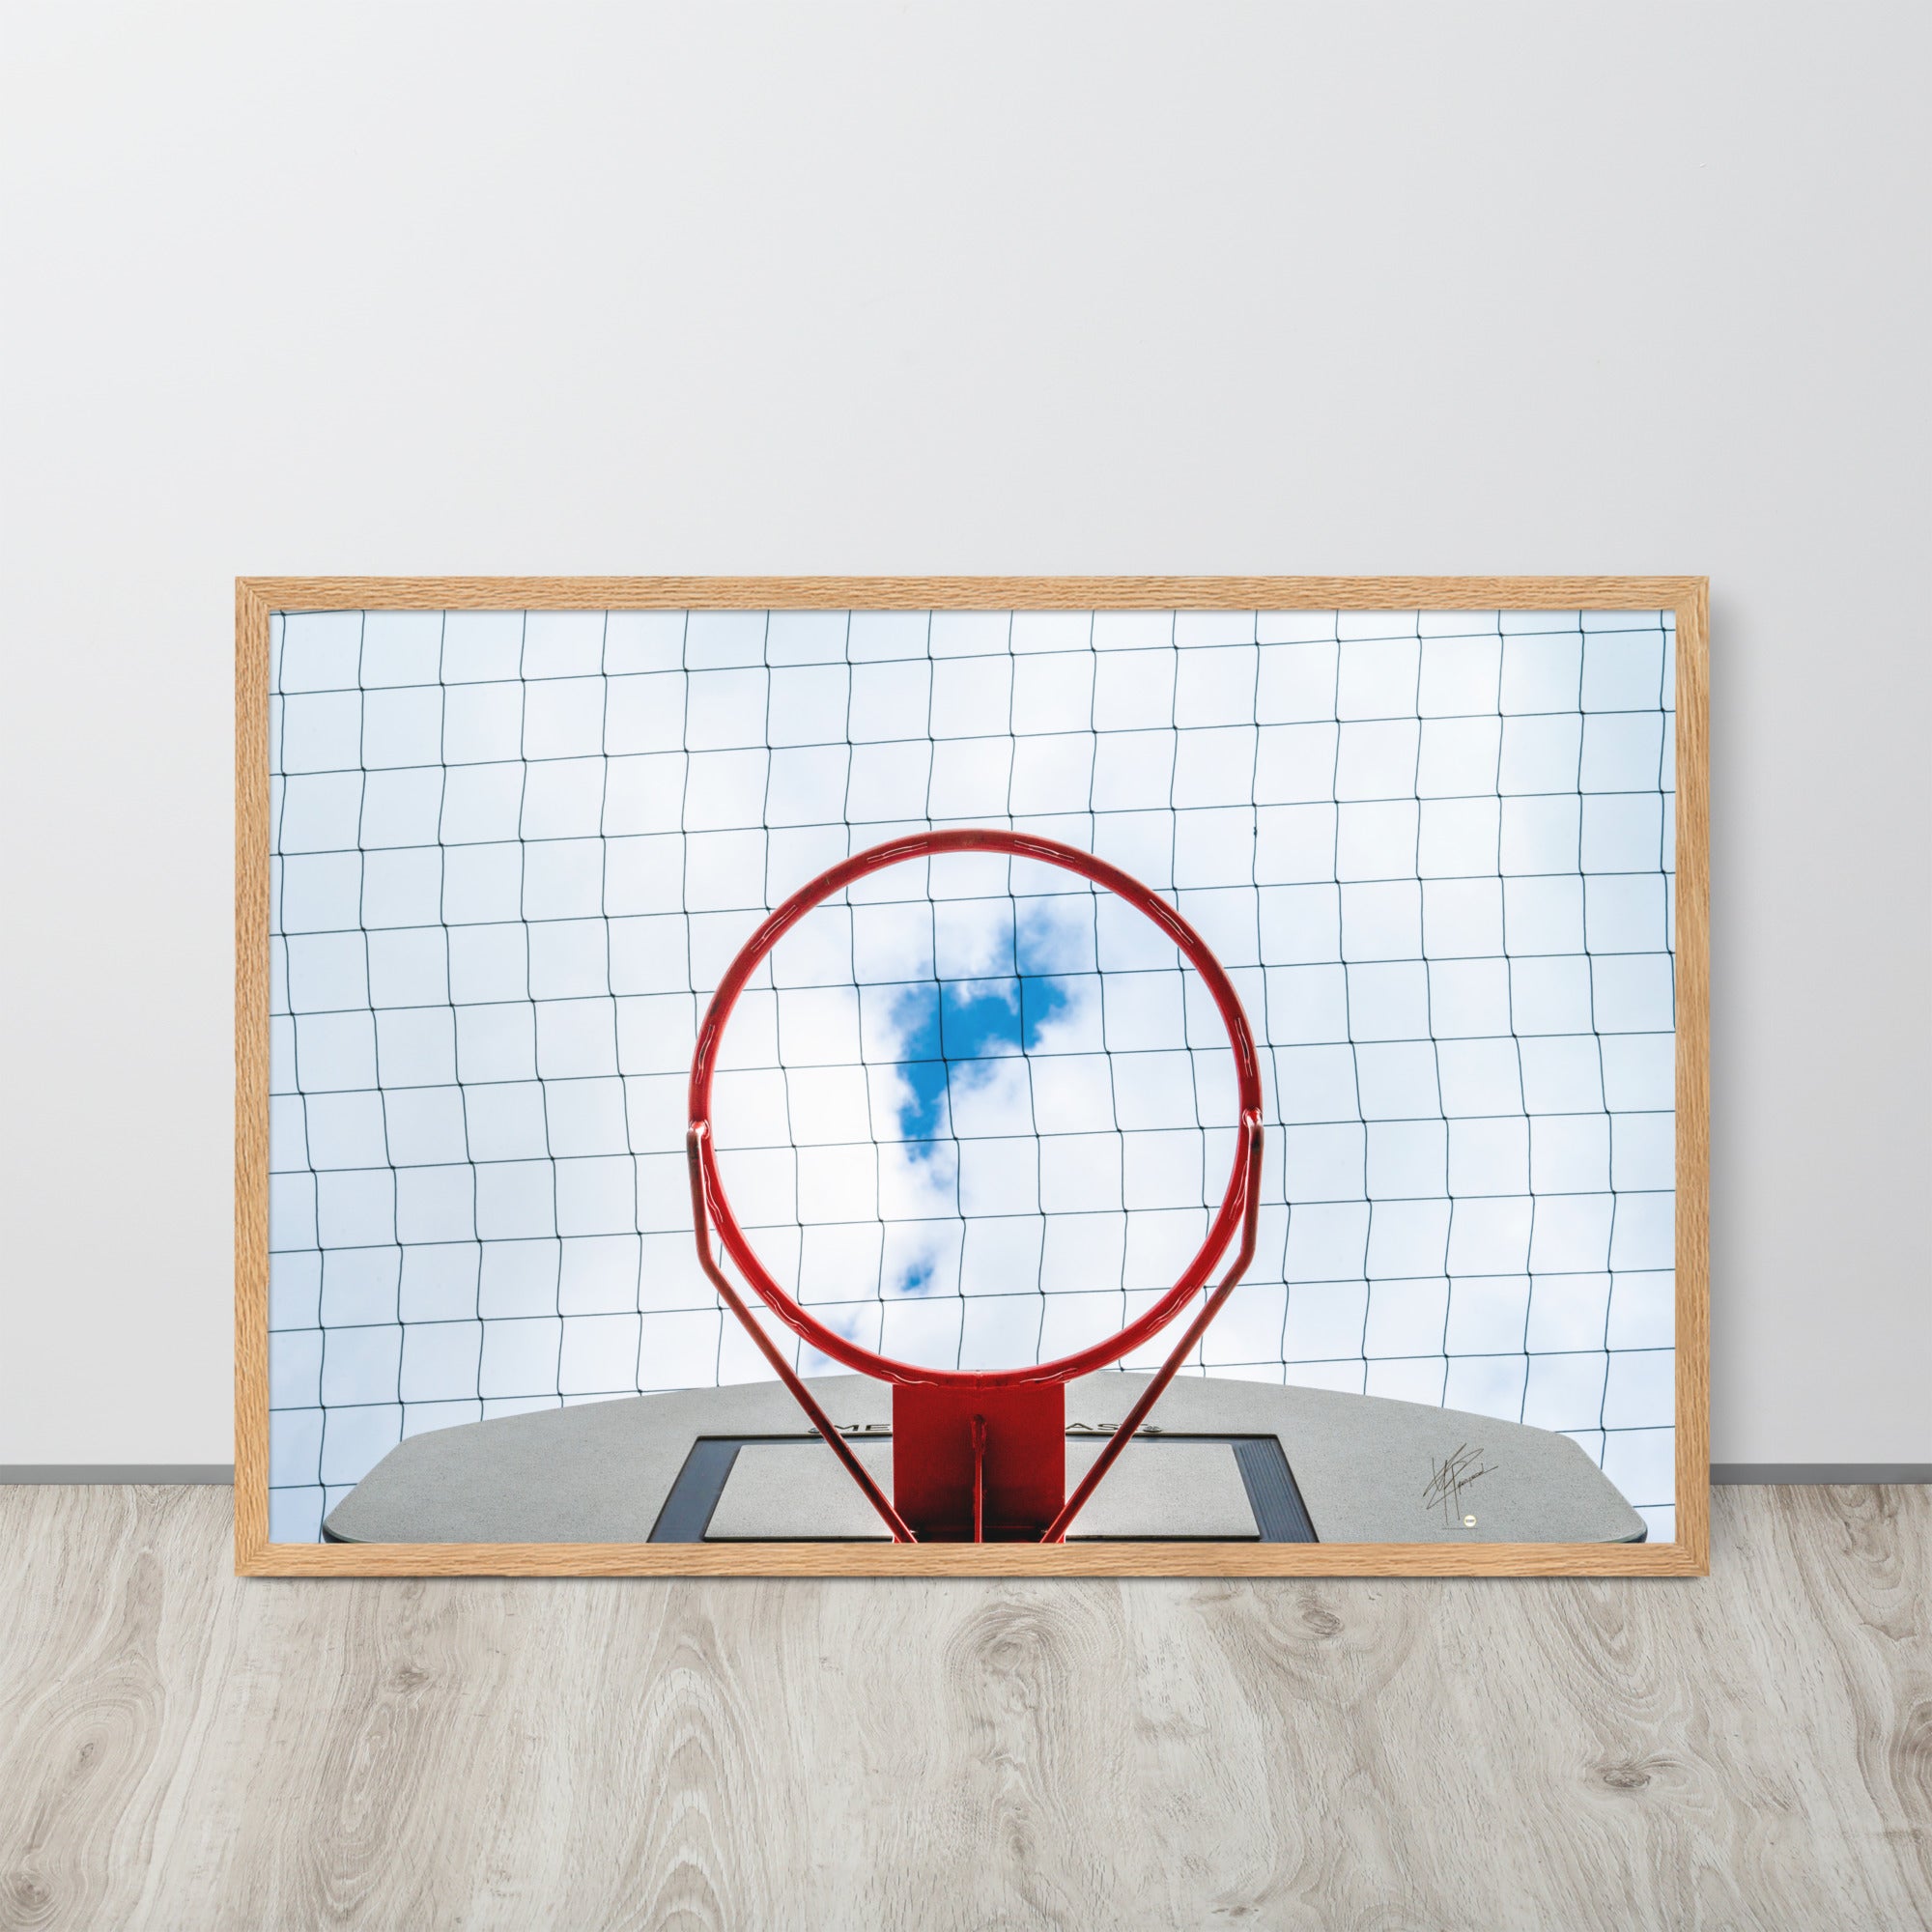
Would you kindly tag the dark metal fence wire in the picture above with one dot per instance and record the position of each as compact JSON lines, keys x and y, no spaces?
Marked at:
{"x":514,"y":851}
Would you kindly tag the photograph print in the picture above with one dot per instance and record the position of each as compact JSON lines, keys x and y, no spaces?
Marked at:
{"x":1093,"y":1074}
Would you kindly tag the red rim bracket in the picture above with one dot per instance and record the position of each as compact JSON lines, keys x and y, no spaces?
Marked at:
{"x":990,"y":1487}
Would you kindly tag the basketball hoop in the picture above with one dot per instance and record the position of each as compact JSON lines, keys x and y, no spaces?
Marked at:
{"x":976,"y":1454}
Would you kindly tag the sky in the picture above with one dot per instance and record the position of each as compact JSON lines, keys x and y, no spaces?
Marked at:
{"x":975,"y":1111}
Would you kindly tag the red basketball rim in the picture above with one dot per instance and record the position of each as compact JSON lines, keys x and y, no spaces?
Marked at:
{"x":1019,"y":845}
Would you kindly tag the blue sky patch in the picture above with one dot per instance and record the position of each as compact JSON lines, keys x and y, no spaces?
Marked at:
{"x":958,"y":1025}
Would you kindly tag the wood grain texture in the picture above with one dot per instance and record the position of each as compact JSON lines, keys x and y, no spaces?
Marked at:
{"x":1693,"y":1073}
{"x":251,"y":1073}
{"x":257,"y":598}
{"x":182,"y":1748}
{"x":965,"y":1559}
{"x":974,"y":593}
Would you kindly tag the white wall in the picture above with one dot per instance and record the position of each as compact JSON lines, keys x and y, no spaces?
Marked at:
{"x":888,"y":288}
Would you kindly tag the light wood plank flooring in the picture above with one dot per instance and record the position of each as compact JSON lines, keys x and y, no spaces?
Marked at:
{"x":180,"y":1749}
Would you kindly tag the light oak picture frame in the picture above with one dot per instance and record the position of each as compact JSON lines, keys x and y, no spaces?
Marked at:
{"x":259,"y":599}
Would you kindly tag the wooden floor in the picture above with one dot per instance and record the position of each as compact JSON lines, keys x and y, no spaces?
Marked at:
{"x":182,"y":1750}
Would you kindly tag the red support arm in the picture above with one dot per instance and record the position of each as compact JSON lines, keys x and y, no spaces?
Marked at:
{"x":700,"y":1220}
{"x":1251,"y":1183}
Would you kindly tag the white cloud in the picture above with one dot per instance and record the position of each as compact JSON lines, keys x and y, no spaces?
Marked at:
{"x":986,"y":1220}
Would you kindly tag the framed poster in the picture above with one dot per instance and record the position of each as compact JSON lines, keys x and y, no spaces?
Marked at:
{"x":908,"y":1076}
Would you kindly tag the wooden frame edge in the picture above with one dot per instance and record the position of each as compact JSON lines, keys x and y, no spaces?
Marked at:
{"x":1202,"y":1560}
{"x":972,"y":594}
{"x":258,"y":598}
{"x":252,"y":617}
{"x":1693,"y":1074}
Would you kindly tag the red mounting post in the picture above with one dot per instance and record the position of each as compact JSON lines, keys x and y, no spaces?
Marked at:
{"x":978,"y":1465}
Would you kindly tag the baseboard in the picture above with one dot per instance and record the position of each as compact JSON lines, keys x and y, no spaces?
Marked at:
{"x":1776,"y":1473}
{"x":117,"y":1472}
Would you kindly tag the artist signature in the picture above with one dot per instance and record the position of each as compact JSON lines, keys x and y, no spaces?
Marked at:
{"x":1448,"y":1480}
